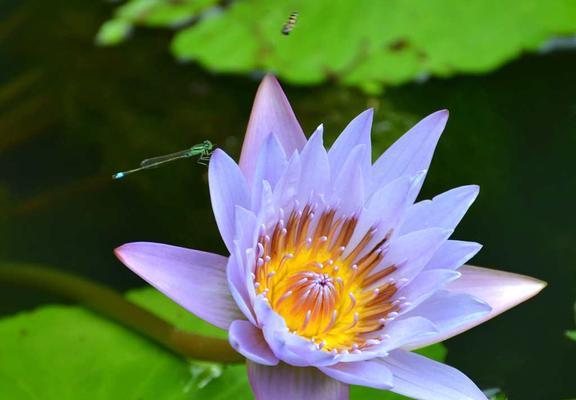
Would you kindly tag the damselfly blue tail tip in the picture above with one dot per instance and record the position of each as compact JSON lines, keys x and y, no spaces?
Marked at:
{"x":118,"y":175}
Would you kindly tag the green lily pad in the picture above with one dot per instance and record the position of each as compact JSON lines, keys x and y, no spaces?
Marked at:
{"x":367,"y":43}
{"x":67,"y":352}
{"x":60,"y":352}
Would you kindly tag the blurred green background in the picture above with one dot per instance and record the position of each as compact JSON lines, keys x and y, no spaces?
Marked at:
{"x":80,"y":101}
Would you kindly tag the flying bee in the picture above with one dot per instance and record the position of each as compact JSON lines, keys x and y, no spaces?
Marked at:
{"x":289,"y":25}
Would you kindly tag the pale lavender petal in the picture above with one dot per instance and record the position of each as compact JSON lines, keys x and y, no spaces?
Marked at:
{"x":238,"y":283}
{"x":194,"y":279}
{"x":412,"y":152}
{"x":411,"y":252}
{"x":271,"y":162}
{"x":271,"y":113}
{"x":443,"y":211}
{"x":247,"y":340}
{"x":288,"y":347}
{"x":316,"y":169}
{"x":453,"y":254}
{"x":420,"y":378}
{"x":383,"y":211}
{"x":348,"y":185}
{"x":424,"y":286}
{"x":449,"y":312}
{"x":356,"y":133}
{"x":284,"y":382}
{"x":401,"y":332}
{"x":246,"y":231}
{"x":265,"y":207}
{"x":286,"y":190}
{"x":228,"y":189}
{"x":373,"y":373}
{"x":501,"y":290}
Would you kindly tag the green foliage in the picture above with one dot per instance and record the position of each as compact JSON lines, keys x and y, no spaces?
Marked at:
{"x":60,"y":352}
{"x":366,"y":43}
{"x":152,"y":13}
{"x":67,"y":352}
{"x":495,"y":394}
{"x":113,"y":32}
{"x":572,"y":334}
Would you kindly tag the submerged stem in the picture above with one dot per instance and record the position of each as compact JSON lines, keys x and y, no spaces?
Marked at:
{"x":112,"y":305}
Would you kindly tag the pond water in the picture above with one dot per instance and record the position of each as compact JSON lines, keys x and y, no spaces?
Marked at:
{"x":72,"y":114}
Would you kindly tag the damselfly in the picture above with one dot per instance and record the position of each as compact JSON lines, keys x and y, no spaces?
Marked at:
{"x":202,"y":150}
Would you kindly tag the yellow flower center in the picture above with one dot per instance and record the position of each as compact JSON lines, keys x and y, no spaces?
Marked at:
{"x":334,"y":297}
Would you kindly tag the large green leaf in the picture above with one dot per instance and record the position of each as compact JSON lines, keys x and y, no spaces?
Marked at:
{"x":60,"y":352}
{"x":66,"y":352}
{"x":149,"y":13}
{"x":367,"y":42}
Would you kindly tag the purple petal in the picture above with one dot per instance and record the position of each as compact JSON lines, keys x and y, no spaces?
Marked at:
{"x":450,"y":312}
{"x":453,"y":254}
{"x":284,"y":382}
{"x":271,"y":161}
{"x":411,"y":252}
{"x":194,"y":279}
{"x":373,"y":373}
{"x":316,"y":177}
{"x":501,"y":290}
{"x":356,"y":133}
{"x":443,"y":211}
{"x":418,"y":377}
{"x":412,"y":152}
{"x":288,"y":347}
{"x":248,"y":341}
{"x":265,"y":204}
{"x":384,"y":211}
{"x":402,"y":332}
{"x":425,"y":285}
{"x":227,"y":189}
{"x":348,"y":185}
{"x":287,"y":187}
{"x":271,"y":113}
{"x":238,"y":283}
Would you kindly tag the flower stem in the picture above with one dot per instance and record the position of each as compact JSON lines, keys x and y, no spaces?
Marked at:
{"x":114,"y":306}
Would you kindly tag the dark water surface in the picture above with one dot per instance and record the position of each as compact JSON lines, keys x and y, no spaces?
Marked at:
{"x":72,"y":114}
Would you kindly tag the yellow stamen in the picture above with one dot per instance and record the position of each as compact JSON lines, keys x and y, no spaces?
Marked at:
{"x":339,"y":302}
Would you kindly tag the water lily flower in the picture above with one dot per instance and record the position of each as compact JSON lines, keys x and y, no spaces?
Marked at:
{"x":334,"y":273}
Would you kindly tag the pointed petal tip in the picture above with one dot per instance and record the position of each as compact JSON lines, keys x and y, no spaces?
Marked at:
{"x":125,"y":250}
{"x":270,"y":82}
{"x":440,"y":115}
{"x":271,"y":112}
{"x":445,"y":113}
